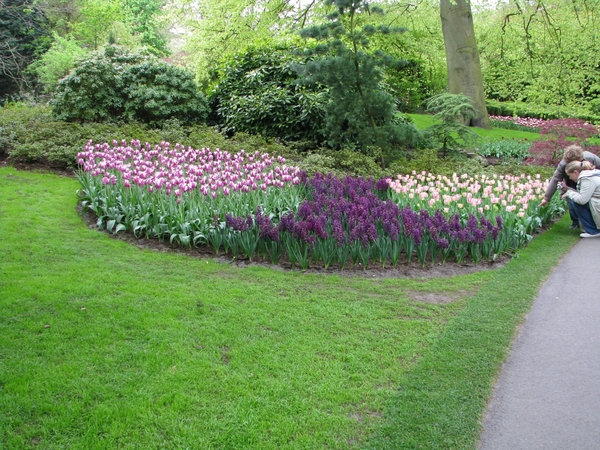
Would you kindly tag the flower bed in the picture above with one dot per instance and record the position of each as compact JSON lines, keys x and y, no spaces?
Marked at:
{"x":253,"y":206}
{"x":527,"y":122}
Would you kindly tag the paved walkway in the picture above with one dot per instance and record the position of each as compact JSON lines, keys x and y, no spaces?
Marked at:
{"x":548,"y":393}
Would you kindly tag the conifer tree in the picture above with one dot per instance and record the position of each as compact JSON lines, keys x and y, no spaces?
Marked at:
{"x":360,"y":113}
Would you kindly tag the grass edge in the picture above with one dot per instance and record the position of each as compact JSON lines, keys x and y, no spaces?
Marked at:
{"x":441,"y":402}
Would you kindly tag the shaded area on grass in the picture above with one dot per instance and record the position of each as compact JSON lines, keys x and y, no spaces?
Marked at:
{"x":440,"y":401}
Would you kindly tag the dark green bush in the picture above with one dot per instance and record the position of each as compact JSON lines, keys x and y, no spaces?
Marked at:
{"x":258,"y":93}
{"x":118,"y":85}
{"x":156,"y":91}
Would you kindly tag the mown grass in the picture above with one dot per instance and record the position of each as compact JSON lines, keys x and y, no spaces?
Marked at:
{"x":440,"y":402}
{"x":103,"y":345}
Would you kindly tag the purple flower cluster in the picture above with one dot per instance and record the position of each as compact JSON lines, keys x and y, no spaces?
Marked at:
{"x":443,"y":231}
{"x":238,"y":223}
{"x":348,"y":212}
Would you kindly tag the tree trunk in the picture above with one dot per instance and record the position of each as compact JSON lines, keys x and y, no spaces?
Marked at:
{"x":462,"y":57}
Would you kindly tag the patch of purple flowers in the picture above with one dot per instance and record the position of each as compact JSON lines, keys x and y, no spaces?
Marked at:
{"x":349,"y":212}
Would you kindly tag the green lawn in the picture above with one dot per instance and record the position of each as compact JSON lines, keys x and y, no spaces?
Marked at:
{"x":423,"y":121}
{"x":106,"y":346}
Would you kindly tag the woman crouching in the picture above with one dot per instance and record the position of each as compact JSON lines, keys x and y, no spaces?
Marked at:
{"x":586,"y":198}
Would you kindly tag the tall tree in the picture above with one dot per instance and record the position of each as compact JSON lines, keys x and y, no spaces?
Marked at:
{"x":462,"y":56}
{"x":215,"y":30}
{"x":143,"y":16}
{"x":542,"y":52}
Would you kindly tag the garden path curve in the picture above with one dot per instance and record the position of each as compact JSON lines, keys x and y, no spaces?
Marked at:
{"x":548,"y":393}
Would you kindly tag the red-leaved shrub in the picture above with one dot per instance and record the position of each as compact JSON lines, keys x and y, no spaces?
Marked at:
{"x":558,"y":134}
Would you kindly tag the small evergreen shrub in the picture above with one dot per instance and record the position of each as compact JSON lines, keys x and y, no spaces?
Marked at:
{"x":453,"y":111}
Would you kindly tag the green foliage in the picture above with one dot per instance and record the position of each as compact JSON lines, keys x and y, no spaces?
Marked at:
{"x":547,"y":112}
{"x":504,"y":148}
{"x":23,"y":35}
{"x":452,"y":110}
{"x":229,"y":27}
{"x":143,"y":19}
{"x":258,"y":93}
{"x":541,"y":53}
{"x":98,"y":17}
{"x":31,"y":135}
{"x":359,"y":112}
{"x":409,"y":86}
{"x":340,"y":163}
{"x":116,"y":85}
{"x":58,"y":61}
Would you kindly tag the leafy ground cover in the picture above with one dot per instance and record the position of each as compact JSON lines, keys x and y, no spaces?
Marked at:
{"x":106,"y":346}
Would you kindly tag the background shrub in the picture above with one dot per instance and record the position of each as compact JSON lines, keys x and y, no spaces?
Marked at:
{"x":258,"y":93}
{"x":31,"y":135}
{"x":119,"y":85}
{"x":340,"y":163}
{"x":496,"y":108}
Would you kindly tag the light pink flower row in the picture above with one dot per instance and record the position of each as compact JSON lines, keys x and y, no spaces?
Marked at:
{"x":181,"y":170}
{"x":524,"y":121}
{"x":511,"y":192}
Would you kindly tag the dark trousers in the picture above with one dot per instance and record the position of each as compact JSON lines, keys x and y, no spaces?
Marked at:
{"x":572,"y":211}
{"x":584,"y":215}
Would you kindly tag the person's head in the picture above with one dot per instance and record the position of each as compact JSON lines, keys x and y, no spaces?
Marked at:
{"x":574,"y":168}
{"x":573,"y":153}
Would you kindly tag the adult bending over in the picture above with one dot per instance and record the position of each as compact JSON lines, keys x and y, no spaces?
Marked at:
{"x":586,"y":198}
{"x":571,"y":153}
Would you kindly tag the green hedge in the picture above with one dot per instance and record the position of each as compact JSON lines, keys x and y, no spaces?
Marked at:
{"x":547,"y":112}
